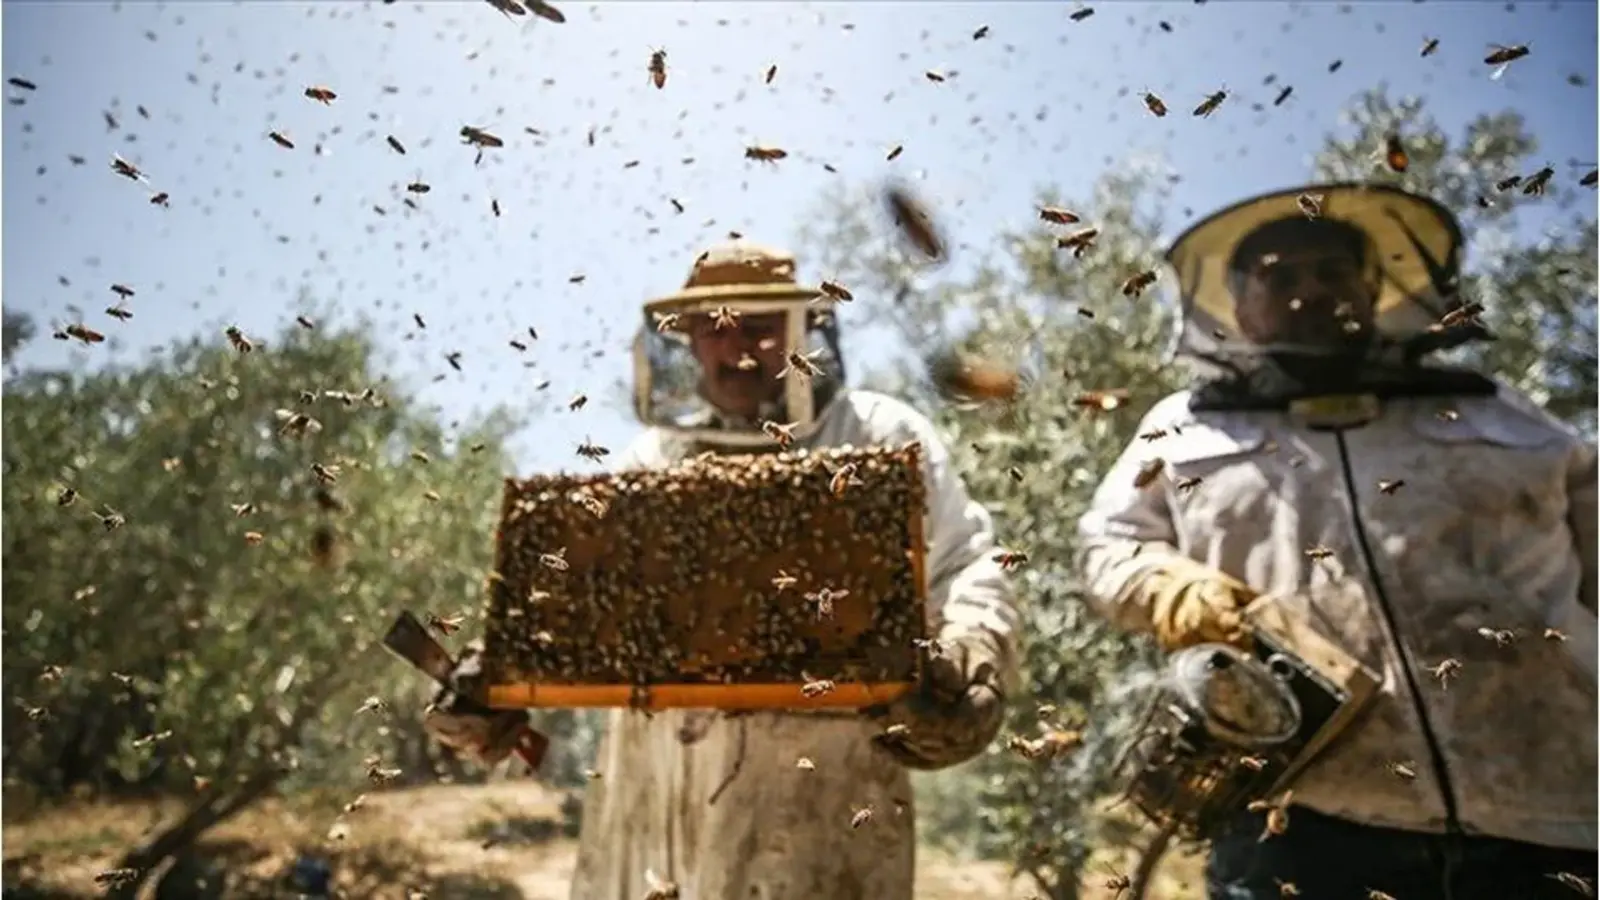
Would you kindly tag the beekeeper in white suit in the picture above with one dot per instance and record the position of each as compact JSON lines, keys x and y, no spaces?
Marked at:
{"x":1432,"y":521}
{"x":671,"y":798}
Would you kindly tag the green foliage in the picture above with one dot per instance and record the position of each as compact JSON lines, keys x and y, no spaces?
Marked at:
{"x":1041,"y":815}
{"x":1539,"y":298}
{"x":1045,"y":816}
{"x":172,"y":646}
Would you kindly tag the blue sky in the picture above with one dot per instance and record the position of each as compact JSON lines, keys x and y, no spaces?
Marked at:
{"x":1043,"y":100}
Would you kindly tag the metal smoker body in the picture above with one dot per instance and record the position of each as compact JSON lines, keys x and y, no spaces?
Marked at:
{"x":1229,"y":726}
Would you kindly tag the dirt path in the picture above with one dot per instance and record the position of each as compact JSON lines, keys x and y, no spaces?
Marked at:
{"x":499,"y":841}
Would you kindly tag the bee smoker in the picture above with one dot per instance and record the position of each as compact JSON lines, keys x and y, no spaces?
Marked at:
{"x":1227,"y":726}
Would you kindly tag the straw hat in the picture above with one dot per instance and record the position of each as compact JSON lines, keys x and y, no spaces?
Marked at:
{"x":739,"y":270}
{"x":1416,"y":242}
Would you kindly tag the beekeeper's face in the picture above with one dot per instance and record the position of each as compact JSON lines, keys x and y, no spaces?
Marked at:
{"x":1302,"y":291}
{"x":739,"y":361}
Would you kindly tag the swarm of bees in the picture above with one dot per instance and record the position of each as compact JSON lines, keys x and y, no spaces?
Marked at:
{"x":297,"y":128}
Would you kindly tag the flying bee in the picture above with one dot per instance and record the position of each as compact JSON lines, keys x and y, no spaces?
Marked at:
{"x":981,"y":33}
{"x":843,"y":479}
{"x":1101,"y":401}
{"x":1079,"y":242}
{"x":1318,"y":552}
{"x":22,"y":83}
{"x":934,"y":76}
{"x":1405,"y":770}
{"x":815,"y":687}
{"x":659,"y":888}
{"x":1148,"y":472}
{"x":556,"y":560}
{"x":1554,"y":634}
{"x":577,"y":402}
{"x":760,"y":153}
{"x":122,"y":291}
{"x":823,"y":600}
{"x":1310,"y":204}
{"x":835,"y":291}
{"x":1590,"y":179}
{"x":658,"y":68}
{"x":111,"y":520}
{"x":1387,"y":487}
{"x":395,"y":145}
{"x":1501,"y":55}
{"x":478,"y":137}
{"x":1465,"y":314}
{"x":418,"y":187}
{"x":1277,"y":814}
{"x":279,"y":139}
{"x":1283,"y":95}
{"x":771,"y":73}
{"x":545,"y":11}
{"x":322,"y":95}
{"x":66,"y":497}
{"x":1536,"y":183}
{"x":1154,"y":104}
{"x":1185,"y":485}
{"x":666,"y":322}
{"x":1117,"y":882}
{"x":508,"y":8}
{"x":1081,"y":13}
{"x":1055,"y":215}
{"x":1445,"y":670}
{"x":1582,"y":886}
{"x":1501,"y":637}
{"x":81,"y":333}
{"x":1010,"y":560}
{"x":976,"y":379}
{"x":801,"y":365}
{"x":862,"y":817}
{"x":160,"y":198}
{"x":894,"y":152}
{"x":914,"y":223}
{"x":1429,"y":45}
{"x":1210,"y":103}
{"x":1138,"y":282}
{"x":783,"y":580}
{"x":1507,"y":183}
{"x":1394,"y":154}
{"x":724,"y":317}
{"x":445,"y":625}
{"x":296,"y":424}
{"x":126,"y":169}
{"x":592,"y":451}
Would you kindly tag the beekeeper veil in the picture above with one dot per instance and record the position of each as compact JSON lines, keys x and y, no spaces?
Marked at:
{"x":1331,"y":281}
{"x":743,"y":343}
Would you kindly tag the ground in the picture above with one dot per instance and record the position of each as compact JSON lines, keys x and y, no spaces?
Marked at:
{"x":499,"y":841}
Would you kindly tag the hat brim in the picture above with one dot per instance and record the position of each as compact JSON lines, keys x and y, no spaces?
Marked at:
{"x":685,"y":300}
{"x":1418,"y":244}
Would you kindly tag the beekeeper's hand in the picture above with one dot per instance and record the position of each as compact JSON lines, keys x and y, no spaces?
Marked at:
{"x":470,"y":728}
{"x":1191,"y":603}
{"x":954,"y":711}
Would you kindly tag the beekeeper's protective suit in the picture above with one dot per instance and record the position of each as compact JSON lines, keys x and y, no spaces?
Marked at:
{"x":1442,"y":522}
{"x":671,"y":797}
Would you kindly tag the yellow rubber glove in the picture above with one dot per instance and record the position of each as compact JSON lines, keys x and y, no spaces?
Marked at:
{"x":1191,"y":603}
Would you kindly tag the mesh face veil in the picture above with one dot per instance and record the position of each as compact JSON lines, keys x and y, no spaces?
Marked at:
{"x":1409,"y":247}
{"x":743,"y":343}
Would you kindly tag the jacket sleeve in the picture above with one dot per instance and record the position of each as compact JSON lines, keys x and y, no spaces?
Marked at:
{"x":1581,"y":513}
{"x":970,"y":598}
{"x":1127,"y":531}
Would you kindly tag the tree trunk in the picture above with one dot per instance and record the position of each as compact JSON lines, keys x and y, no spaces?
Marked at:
{"x":216,"y":806}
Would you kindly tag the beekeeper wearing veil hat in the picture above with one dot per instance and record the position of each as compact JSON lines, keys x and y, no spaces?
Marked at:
{"x":1430,"y":520}
{"x":745,"y":359}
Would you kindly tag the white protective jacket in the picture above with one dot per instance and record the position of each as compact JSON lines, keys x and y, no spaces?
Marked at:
{"x":777,"y":831}
{"x":1492,"y":528}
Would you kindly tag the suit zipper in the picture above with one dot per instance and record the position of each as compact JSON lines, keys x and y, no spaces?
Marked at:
{"x":1441,"y":772}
